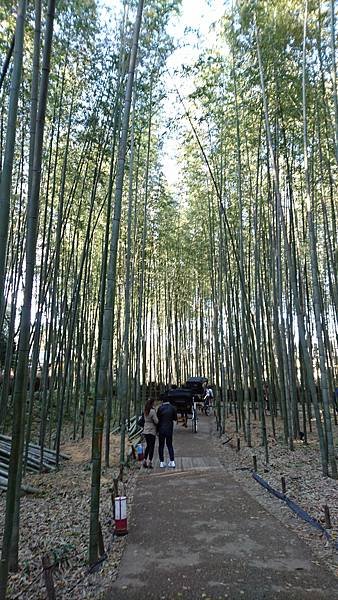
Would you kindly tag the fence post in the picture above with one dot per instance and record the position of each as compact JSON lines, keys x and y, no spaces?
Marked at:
{"x":254,"y":459}
{"x":283,"y":485}
{"x":327,"y":517}
{"x":48,"y":577}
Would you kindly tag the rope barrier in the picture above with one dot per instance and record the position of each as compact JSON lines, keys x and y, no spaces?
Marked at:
{"x":298,"y":510}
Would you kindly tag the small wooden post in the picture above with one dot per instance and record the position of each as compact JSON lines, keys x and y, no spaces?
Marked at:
{"x":283,"y":485}
{"x":116,"y":486}
{"x":113,"y":502}
{"x":238,"y":444}
{"x":114,"y":493}
{"x":48,"y":577}
{"x":327,"y":517}
{"x":254,"y":459}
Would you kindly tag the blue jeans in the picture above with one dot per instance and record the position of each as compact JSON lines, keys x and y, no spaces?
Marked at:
{"x":168,"y":439}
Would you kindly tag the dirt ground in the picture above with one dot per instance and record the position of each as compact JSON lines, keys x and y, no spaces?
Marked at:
{"x":304,"y":481}
{"x":196,"y":532}
{"x":56,"y":521}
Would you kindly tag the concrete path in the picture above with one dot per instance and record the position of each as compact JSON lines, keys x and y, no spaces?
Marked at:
{"x":196,"y":534}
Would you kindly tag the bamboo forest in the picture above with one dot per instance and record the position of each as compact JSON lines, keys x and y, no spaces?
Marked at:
{"x":168,"y":246}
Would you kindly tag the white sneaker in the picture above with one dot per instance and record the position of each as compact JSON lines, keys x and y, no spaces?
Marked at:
{"x":171,"y":463}
{"x":162,"y":465}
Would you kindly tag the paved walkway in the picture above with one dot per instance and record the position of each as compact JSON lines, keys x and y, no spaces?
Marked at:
{"x":196,"y":534}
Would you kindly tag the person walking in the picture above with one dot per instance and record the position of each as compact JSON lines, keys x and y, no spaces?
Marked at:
{"x":149,"y":432}
{"x":166,"y":414}
{"x":208,"y":398}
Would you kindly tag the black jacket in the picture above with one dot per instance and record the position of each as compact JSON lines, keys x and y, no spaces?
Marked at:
{"x":166,"y":414}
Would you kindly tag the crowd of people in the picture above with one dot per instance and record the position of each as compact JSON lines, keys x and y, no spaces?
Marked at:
{"x":161,"y":422}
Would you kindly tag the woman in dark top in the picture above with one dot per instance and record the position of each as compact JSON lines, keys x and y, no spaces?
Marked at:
{"x":166,"y":415}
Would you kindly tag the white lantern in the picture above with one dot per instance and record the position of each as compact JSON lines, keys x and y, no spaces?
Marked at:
{"x":121,"y":523}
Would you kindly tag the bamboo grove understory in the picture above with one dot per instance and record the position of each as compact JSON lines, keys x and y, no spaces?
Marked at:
{"x":112,"y":282}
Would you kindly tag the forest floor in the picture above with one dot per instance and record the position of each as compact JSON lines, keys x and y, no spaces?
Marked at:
{"x":304,"y":481}
{"x":55,"y":522}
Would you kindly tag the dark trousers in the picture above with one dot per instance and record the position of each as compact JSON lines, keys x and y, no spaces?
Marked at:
{"x":150,"y":441}
{"x":168,"y":439}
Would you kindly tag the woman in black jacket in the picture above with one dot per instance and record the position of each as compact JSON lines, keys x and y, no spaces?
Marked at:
{"x":166,"y":415}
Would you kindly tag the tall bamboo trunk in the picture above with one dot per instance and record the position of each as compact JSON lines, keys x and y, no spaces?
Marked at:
{"x":315,"y":279}
{"x":7,"y":168}
{"x":300,"y":318}
{"x":334,"y":72}
{"x":109,"y":306}
{"x":9,"y":552}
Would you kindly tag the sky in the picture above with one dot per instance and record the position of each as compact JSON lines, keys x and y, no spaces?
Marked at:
{"x":198,"y":15}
